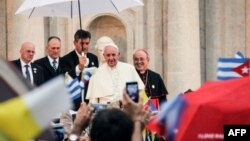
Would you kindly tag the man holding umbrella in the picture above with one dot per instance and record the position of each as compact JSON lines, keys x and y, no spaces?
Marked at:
{"x":75,"y":61}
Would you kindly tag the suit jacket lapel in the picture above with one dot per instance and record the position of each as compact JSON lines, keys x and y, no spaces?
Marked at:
{"x":91,"y":61}
{"x":34,"y":73}
{"x":75,"y":57}
{"x":19,"y":65}
{"x":59,"y":69}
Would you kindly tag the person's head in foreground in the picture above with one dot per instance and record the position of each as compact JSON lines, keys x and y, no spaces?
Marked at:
{"x":111,"y":125}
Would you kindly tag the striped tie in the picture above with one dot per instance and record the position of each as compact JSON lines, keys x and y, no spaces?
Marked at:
{"x":54,"y":64}
{"x":27,"y":73}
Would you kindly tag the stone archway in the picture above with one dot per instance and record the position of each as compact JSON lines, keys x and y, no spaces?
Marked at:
{"x":112,"y":27}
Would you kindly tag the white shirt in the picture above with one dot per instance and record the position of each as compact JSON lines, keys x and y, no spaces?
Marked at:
{"x":107,"y":84}
{"x":24,"y":70}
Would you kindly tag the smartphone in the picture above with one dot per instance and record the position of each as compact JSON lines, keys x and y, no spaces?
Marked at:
{"x":133,"y":91}
{"x":98,"y":107}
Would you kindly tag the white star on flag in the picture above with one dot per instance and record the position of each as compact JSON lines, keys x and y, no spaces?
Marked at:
{"x":245,"y":69}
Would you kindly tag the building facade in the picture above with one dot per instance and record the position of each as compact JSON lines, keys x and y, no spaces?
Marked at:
{"x":184,"y":38}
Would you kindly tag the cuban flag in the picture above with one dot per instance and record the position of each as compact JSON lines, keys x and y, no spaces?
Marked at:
{"x":76,"y":88}
{"x":170,"y":115}
{"x":239,"y":55}
{"x":229,"y":68}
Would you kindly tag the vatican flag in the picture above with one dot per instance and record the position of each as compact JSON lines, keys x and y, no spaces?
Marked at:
{"x":24,"y":117}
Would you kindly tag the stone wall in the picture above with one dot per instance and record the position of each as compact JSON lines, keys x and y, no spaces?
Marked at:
{"x":3,"y":30}
{"x":21,"y":29}
{"x":225,"y":32}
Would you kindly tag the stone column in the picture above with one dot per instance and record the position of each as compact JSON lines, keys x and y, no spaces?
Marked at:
{"x":247,"y":5}
{"x":57,"y":27}
{"x":154,"y":34}
{"x":183,"y":46}
{"x":225,"y":31}
{"x":21,"y":29}
{"x":165,"y":41}
{"x":3,"y":26}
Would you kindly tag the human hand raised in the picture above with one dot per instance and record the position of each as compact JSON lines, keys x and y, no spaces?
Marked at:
{"x":83,"y":117}
{"x":82,"y":62}
{"x":134,"y":110}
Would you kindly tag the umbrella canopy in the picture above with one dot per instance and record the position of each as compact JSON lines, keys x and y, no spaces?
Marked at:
{"x":71,"y":8}
{"x":211,"y":107}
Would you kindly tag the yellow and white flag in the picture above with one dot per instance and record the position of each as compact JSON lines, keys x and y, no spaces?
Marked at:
{"x":24,"y":117}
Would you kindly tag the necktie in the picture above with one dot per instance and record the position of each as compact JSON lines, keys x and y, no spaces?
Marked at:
{"x":27,"y":72}
{"x":54,"y":64}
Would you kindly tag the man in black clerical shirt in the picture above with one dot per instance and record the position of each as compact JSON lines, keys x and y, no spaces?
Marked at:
{"x":154,"y":85}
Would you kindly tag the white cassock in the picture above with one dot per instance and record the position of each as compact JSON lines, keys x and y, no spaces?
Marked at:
{"x":107,"y":84}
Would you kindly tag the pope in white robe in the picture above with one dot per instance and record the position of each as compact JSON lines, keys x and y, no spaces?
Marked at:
{"x":109,"y":81}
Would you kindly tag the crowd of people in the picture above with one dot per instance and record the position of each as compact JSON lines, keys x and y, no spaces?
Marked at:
{"x":124,"y":119}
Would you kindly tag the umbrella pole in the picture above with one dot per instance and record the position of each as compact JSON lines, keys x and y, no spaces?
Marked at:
{"x":80,"y":17}
{"x":114,"y":6}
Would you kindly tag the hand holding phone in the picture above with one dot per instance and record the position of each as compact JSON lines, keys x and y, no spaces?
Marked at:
{"x":132,"y":90}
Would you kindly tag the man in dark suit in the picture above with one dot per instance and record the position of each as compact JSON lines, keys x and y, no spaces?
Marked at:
{"x":32,"y":72}
{"x":75,"y":61}
{"x":51,"y":63}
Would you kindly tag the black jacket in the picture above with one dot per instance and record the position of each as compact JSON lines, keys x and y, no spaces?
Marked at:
{"x":69,"y":63}
{"x":48,"y":70}
{"x":37,"y":71}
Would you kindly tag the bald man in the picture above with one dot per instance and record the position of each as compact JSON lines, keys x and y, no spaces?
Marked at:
{"x":32,"y":72}
{"x":107,"y":84}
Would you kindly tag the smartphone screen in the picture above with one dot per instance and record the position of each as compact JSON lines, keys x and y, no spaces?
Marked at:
{"x":98,"y":107}
{"x":132,"y":90}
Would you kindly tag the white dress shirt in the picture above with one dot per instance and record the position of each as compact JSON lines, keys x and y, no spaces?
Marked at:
{"x":24,"y":70}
